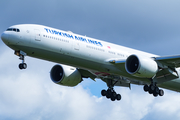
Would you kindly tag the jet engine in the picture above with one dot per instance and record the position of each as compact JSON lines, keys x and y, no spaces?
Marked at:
{"x":141,"y":66}
{"x":65,"y":75}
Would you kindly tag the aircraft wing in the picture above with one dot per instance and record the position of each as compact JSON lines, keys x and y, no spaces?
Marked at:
{"x":103,"y":77}
{"x":163,"y":75}
{"x":87,"y":74}
{"x":168,"y":63}
{"x":171,"y":61}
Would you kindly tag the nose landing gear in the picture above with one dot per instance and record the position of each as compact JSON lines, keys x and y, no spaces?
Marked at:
{"x":21,"y":55}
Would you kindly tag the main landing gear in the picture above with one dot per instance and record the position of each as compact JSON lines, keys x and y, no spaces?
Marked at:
{"x":21,"y":55}
{"x":110,"y":93}
{"x":153,"y":89}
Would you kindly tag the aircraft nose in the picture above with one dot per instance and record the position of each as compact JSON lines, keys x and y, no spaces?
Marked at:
{"x":5,"y":37}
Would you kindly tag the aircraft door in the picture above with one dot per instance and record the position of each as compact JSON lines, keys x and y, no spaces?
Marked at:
{"x":37,"y":35}
{"x":76,"y":46}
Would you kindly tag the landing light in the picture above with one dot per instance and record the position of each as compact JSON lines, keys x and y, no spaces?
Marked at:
{"x":17,"y":53}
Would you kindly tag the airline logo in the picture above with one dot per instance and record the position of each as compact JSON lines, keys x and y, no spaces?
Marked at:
{"x":109,"y":47}
{"x":73,"y":37}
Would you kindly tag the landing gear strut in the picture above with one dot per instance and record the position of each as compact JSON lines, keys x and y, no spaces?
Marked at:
{"x":21,"y":55}
{"x":110,"y":93}
{"x":153,"y":89}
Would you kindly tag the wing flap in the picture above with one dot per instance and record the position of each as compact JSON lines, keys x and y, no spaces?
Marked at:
{"x":86,"y":74}
{"x":165,"y":75}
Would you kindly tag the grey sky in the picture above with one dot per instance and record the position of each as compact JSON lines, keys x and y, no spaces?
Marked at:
{"x":152,"y":26}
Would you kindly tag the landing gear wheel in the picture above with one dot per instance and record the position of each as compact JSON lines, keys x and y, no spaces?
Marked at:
{"x":108,"y":94}
{"x":113,"y":94}
{"x":22,"y":66}
{"x":151,"y":89}
{"x":146,"y":88}
{"x":161,"y":92}
{"x":118,"y":97}
{"x":103,"y":92}
{"x":113,"y":98}
{"x":155,"y":94}
{"x":156,"y":90}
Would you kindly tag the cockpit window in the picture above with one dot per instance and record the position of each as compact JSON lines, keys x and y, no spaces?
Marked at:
{"x":9,"y":29}
{"x":13,"y":29}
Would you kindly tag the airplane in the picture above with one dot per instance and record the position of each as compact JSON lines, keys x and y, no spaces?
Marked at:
{"x":81,"y":57}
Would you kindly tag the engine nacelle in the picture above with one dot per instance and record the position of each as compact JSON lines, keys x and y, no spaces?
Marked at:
{"x":65,"y":75}
{"x":141,"y":66}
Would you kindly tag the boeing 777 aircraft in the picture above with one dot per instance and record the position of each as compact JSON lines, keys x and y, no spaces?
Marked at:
{"x":84,"y":57}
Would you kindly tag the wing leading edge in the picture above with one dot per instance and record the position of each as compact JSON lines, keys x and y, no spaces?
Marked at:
{"x":171,"y":61}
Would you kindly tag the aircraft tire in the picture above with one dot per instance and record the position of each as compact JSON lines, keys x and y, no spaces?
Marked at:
{"x":156,"y":90}
{"x":161,"y":92}
{"x":21,"y":66}
{"x":108,"y":94}
{"x":103,"y":92}
{"x":151,"y":89}
{"x":113,"y":94}
{"x":113,"y":98}
{"x":155,"y":94}
{"x":118,"y":97}
{"x":146,"y":88}
{"x":24,"y":65}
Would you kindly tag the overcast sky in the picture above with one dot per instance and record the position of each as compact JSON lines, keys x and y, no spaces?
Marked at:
{"x":148,"y":25}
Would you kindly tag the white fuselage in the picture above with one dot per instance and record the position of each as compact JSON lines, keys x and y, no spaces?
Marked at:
{"x":72,"y":49}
